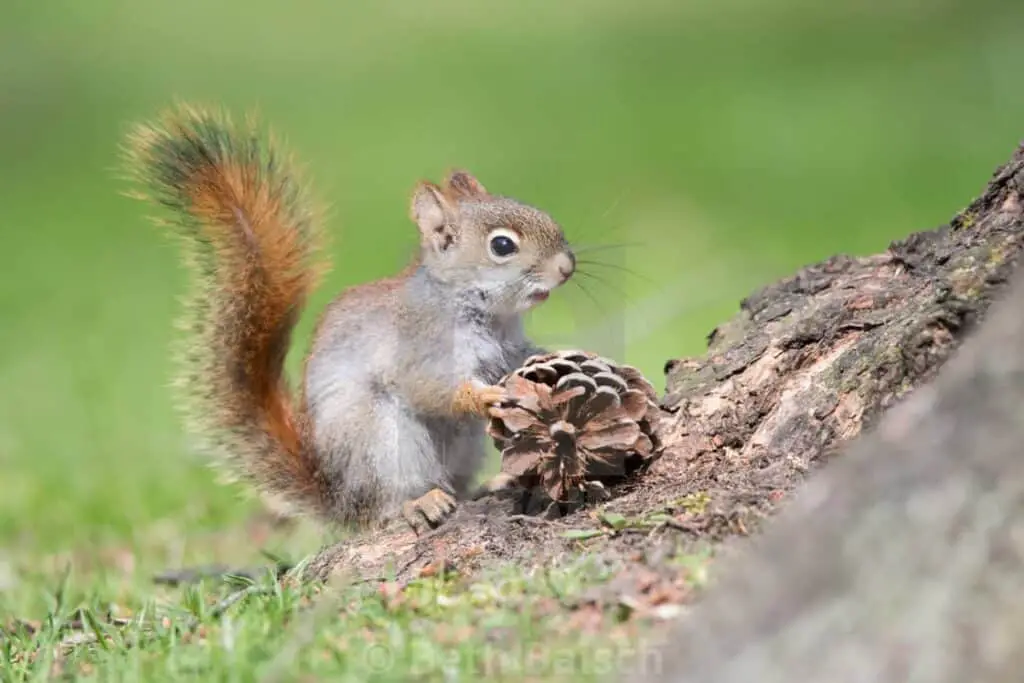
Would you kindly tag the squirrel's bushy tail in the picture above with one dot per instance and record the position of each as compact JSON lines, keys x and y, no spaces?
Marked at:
{"x":250,"y":236}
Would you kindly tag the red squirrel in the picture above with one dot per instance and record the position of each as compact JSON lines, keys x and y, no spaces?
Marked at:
{"x":389,"y":420}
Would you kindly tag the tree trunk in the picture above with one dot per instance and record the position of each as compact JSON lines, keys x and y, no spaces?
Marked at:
{"x":805,"y":365}
{"x":903,"y":561}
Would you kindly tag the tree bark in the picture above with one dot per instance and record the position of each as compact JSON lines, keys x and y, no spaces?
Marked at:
{"x":812,"y":360}
{"x":903,"y":561}
{"x":805,"y":365}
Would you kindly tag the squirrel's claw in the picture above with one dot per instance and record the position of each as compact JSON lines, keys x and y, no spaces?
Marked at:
{"x":428,"y":511}
{"x":477,"y":398}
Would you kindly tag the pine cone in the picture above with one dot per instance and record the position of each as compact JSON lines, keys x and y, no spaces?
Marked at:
{"x":572,"y":418}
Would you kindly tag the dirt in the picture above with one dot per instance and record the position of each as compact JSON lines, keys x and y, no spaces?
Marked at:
{"x":806,"y":365}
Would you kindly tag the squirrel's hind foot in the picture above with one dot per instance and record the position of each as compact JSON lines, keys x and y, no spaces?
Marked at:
{"x":428,"y":511}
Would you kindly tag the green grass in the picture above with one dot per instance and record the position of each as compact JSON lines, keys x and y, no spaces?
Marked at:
{"x":507,"y":625}
{"x":728,"y":142}
{"x":551,"y":622}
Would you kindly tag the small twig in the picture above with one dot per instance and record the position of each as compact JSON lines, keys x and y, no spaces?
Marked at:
{"x":405,"y":567}
{"x":196,"y":574}
{"x":369,"y":579}
{"x":531,"y":519}
{"x":689,"y":528}
{"x":227,"y":603}
{"x":177,"y":577}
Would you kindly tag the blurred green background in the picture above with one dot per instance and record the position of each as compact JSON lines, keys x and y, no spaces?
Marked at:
{"x":727,"y":142}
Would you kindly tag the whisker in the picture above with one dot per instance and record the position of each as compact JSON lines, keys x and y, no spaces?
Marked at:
{"x":614,"y":204}
{"x":593,"y":276}
{"x":616,"y":266}
{"x":589,"y":295}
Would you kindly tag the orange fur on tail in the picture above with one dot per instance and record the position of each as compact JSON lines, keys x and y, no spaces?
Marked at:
{"x":251,"y":238}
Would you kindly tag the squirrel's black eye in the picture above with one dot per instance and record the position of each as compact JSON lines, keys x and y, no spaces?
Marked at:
{"x":503,"y":246}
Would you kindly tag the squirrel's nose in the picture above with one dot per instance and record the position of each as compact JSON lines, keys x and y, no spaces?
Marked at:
{"x":566,"y":263}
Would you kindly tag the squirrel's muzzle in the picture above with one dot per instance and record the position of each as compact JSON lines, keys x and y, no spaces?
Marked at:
{"x":565,"y":264}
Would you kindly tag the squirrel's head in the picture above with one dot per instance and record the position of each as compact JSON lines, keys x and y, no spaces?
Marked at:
{"x":508,"y":253}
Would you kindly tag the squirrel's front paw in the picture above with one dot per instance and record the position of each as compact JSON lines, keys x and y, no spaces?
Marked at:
{"x":428,"y":511}
{"x":490,"y":398}
{"x":477,"y":398}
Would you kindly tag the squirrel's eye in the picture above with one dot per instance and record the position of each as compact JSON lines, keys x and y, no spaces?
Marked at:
{"x":503,"y":244}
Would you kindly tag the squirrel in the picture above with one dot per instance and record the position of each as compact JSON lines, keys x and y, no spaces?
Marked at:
{"x":401,"y":373}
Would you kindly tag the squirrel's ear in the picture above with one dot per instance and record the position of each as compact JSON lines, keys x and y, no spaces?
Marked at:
{"x":434,"y":215}
{"x":461,"y":184}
